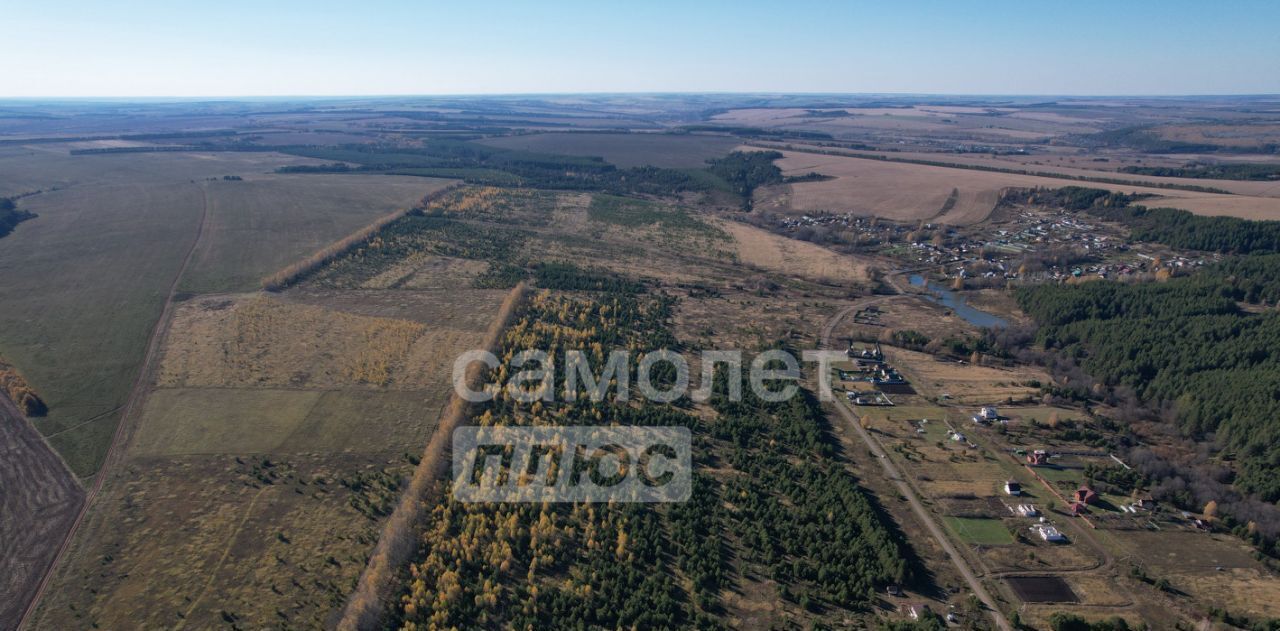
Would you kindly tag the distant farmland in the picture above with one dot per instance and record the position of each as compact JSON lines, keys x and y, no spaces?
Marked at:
{"x":86,"y":280}
{"x":625,"y":150}
{"x":911,"y":192}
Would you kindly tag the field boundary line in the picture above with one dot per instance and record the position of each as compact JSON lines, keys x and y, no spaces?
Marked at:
{"x":294,"y":272}
{"x":395,"y":545}
{"x":91,"y":419}
{"x":136,"y":395}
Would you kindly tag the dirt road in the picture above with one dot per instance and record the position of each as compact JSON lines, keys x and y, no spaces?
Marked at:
{"x":891,"y":472}
{"x":128,"y":415}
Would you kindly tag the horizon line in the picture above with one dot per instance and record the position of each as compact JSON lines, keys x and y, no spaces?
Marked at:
{"x":410,"y":95}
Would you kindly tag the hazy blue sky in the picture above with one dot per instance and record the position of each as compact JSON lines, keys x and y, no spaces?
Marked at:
{"x":270,"y":47}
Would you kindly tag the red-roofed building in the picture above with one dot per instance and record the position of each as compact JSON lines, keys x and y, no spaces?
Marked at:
{"x":1085,"y":495}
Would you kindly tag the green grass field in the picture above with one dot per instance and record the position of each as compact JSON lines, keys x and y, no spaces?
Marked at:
{"x":984,"y":532}
{"x":86,"y":280}
{"x":84,"y":283}
{"x":266,"y":222}
{"x":1054,"y":474}
{"x":633,"y":213}
{"x":204,"y":421}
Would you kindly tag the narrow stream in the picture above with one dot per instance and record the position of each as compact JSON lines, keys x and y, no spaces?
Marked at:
{"x":956,"y":303}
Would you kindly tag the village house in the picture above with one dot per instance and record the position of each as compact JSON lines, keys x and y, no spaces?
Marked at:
{"x":1013,"y":487}
{"x":1049,"y":533}
{"x":1085,"y":495}
{"x":867,"y":355}
{"x":986,"y":415}
{"x":1038,"y":457}
{"x":1144,"y":500}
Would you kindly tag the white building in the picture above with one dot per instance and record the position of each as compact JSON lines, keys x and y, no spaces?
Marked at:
{"x":1026,"y":510}
{"x":1049,"y":533}
{"x":1013,"y":487}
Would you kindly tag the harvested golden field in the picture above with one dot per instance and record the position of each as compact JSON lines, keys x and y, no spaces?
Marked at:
{"x":914,"y":192}
{"x":261,"y":341}
{"x":763,"y":249}
{"x":1241,"y":136}
{"x":966,"y":383}
{"x":1073,"y":166}
{"x":1257,"y":208}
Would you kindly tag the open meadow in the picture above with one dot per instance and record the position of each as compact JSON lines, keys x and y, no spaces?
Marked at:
{"x":276,"y":439}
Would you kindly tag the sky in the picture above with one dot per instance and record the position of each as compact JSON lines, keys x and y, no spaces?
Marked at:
{"x":68,"y":48}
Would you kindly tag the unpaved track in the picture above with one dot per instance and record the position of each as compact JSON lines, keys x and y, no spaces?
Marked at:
{"x":129,"y":412}
{"x":892,"y":474}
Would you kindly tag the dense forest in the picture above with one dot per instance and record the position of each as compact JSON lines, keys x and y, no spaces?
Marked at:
{"x":10,"y":216}
{"x":14,"y":386}
{"x":1185,"y":346}
{"x":745,"y":171}
{"x":1146,"y":139}
{"x":1251,"y":172}
{"x":1170,"y":226}
{"x":481,"y":164}
{"x":768,"y":491}
{"x":738,"y":172}
{"x":567,"y":276}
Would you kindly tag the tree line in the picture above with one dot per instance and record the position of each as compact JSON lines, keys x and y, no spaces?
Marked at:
{"x":1185,"y":349}
{"x":1247,"y":172}
{"x":20,"y":392}
{"x":747,"y":170}
{"x":11,"y":216}
{"x":1171,"y":226}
